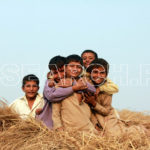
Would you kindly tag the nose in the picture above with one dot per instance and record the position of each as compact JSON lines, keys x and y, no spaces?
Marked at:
{"x":87,"y":60}
{"x":75,"y":68}
{"x":31,"y":88}
{"x":61,"y":74}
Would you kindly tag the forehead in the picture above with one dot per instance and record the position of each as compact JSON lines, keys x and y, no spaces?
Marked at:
{"x":74,"y":63}
{"x":30,"y":82}
{"x":98,"y":68}
{"x":58,"y":69}
{"x":88,"y":54}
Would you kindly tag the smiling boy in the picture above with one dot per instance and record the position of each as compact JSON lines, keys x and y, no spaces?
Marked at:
{"x":27,"y":105}
{"x":52,"y":93}
{"x":70,"y":113}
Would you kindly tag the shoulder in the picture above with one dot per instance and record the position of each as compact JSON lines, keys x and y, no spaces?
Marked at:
{"x":105,"y":95}
{"x":40,"y":98}
{"x":40,"y":95}
{"x":16,"y":101}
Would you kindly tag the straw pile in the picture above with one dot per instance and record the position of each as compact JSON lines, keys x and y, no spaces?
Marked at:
{"x":18,"y":134}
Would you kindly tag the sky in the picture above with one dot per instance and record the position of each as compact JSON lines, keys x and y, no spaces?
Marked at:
{"x":34,"y":31}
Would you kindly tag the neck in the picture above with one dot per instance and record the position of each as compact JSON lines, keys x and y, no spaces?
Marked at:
{"x":31,"y":98}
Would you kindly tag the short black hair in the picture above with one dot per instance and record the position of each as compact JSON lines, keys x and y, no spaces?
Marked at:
{"x":90,"y":51}
{"x":98,"y":62}
{"x":57,"y":62}
{"x":30,"y":77}
{"x":74,"y":58}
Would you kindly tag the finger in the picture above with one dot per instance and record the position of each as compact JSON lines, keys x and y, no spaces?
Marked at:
{"x":85,"y":94}
{"x":88,"y":93}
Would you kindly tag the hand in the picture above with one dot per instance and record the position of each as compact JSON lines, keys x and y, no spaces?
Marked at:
{"x":66,"y":82}
{"x":49,"y":75}
{"x":90,"y":99}
{"x":38,"y":111}
{"x":60,"y":129}
{"x":80,"y":85}
{"x":97,"y":128}
{"x":51,"y":83}
{"x":97,"y":91}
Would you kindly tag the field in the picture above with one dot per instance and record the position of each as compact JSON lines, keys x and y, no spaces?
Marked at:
{"x":18,"y":134}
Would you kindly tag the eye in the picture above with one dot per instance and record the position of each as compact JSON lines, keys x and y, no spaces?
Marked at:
{"x":95,"y":71}
{"x":71,"y":66}
{"x":54,"y":72}
{"x":103,"y":72}
{"x":91,"y":58}
{"x":61,"y":71}
{"x":79,"y":67}
{"x":27,"y":85}
{"x":84,"y":58}
{"x":34,"y":86}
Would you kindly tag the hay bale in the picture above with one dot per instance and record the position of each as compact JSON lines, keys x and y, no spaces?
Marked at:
{"x":18,"y":134}
{"x":8,"y":117}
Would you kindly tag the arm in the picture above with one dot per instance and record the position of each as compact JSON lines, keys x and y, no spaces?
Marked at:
{"x":53,"y":94}
{"x":95,"y":105}
{"x":106,"y":108}
{"x":56,"y":115}
{"x":91,"y":88}
{"x":109,"y":87}
{"x":56,"y":94}
{"x":94,"y":119}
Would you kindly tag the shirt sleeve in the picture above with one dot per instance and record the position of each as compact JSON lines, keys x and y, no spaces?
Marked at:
{"x":53,"y":94}
{"x":109,"y":87}
{"x":91,"y":88}
{"x":13,"y":105}
{"x":104,"y":109}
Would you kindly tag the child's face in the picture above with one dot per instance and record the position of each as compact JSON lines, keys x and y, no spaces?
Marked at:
{"x":58,"y":74}
{"x":73,"y":69}
{"x":30,"y":88}
{"x":87,"y":59}
{"x":98,"y":75}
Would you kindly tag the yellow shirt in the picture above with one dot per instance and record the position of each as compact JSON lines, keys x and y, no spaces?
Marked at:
{"x":21,"y":106}
{"x":108,"y":87}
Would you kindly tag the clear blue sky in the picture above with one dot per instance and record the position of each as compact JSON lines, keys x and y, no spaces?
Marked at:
{"x":33,"y":31}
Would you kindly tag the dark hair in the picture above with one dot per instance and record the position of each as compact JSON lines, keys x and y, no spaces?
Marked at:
{"x":57,"y":62}
{"x":97,"y":63}
{"x":30,"y":77}
{"x":90,"y":51}
{"x":75,"y":58}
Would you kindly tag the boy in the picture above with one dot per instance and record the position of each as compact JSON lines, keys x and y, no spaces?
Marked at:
{"x":109,"y":87}
{"x":53,"y":94}
{"x":88,"y":56}
{"x":71,"y":113}
{"x":27,"y":105}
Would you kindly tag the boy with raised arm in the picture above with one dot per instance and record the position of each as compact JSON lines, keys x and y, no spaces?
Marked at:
{"x":51,"y":93}
{"x":71,"y":113}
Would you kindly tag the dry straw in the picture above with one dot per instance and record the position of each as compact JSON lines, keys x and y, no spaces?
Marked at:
{"x":18,"y":134}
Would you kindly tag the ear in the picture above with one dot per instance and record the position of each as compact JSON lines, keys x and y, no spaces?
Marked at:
{"x":23,"y":89}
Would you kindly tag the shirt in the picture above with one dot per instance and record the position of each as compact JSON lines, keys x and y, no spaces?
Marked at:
{"x":52,"y":94}
{"x":21,"y":106}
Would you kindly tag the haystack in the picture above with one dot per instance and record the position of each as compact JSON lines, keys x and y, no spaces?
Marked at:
{"x":18,"y":134}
